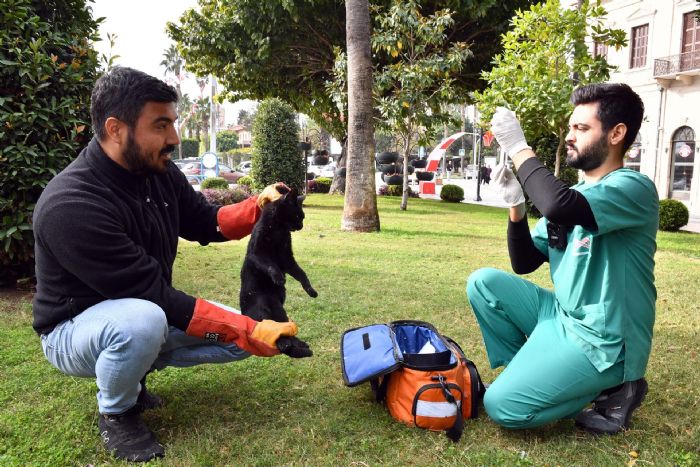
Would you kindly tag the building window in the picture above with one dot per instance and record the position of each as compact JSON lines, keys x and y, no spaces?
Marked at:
{"x":682,"y":161}
{"x":600,"y":50}
{"x":638,"y":53}
{"x":633,"y":157}
{"x":690,"y":43}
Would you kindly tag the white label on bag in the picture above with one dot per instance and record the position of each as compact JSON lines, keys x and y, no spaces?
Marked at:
{"x":435,"y":409}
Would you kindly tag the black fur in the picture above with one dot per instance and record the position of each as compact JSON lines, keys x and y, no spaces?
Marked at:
{"x":268,"y":259}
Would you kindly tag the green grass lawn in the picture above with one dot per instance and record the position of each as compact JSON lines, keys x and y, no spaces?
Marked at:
{"x":281,"y":411}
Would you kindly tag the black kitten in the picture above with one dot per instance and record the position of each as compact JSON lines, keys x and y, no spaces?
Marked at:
{"x":268,"y":259}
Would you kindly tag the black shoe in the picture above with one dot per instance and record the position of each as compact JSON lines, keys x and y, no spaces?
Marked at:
{"x":147,"y":400}
{"x":127,"y":437}
{"x":612,"y":410}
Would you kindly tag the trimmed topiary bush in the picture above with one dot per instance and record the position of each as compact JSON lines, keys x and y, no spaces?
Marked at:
{"x":395,"y":190}
{"x":276,"y":157}
{"x":214,"y":183}
{"x":245,"y":181}
{"x":228,"y":196}
{"x":190,"y":147}
{"x":672,"y":215}
{"x":452,"y":193}
{"x":322,"y":185}
{"x":47,"y":73}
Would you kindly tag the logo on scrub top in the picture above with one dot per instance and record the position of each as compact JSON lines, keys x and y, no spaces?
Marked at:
{"x":582,"y":247}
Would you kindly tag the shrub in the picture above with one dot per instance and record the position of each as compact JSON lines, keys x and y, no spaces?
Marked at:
{"x":672,"y":215}
{"x":227,"y":196}
{"x":190,"y":147}
{"x":226,"y":140}
{"x":245,"y":180}
{"x":214,"y":183}
{"x":395,"y":190}
{"x":276,"y":157}
{"x":47,"y":73}
{"x":319,"y":185}
{"x":323,"y":184}
{"x":452,"y":193}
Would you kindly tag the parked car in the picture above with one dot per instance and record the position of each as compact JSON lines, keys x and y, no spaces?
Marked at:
{"x":245,"y":167}
{"x":229,"y":174}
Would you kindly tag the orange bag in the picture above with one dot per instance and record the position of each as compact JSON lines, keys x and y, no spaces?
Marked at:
{"x":424,"y":378}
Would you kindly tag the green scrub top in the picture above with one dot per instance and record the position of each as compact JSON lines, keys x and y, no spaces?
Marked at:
{"x":604,"y":279}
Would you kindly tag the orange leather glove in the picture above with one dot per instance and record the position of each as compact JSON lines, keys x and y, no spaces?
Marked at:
{"x":237,"y":220}
{"x":257,"y":337}
{"x":272,"y":193}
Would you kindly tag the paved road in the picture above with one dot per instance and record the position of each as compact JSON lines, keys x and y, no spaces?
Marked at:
{"x":490,"y":197}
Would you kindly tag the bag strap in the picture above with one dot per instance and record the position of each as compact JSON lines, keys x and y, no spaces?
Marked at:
{"x":454,"y":433}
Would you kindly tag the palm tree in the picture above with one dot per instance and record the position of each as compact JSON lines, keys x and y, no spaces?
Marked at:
{"x":174,"y":65}
{"x":360,"y":209}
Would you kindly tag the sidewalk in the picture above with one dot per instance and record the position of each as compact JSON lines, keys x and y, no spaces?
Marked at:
{"x":490,"y":197}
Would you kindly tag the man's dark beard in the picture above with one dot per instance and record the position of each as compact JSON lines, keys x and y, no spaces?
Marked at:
{"x":136,"y":160}
{"x":589,"y":158}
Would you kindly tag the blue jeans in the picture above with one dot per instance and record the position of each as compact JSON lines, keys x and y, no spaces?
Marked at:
{"x":119,"y":341}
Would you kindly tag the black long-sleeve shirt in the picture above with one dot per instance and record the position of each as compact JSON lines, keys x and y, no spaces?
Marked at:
{"x":556,"y":201}
{"x":103,"y":233}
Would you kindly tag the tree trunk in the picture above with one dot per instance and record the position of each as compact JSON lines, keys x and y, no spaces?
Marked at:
{"x":338,"y":184}
{"x":557,"y":157}
{"x":360,"y":210}
{"x":404,"y":195}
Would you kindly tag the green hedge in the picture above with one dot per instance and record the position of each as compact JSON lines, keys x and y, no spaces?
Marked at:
{"x":47,"y":70}
{"x":452,"y":193}
{"x":214,"y":183}
{"x":190,"y":147}
{"x":276,"y":157}
{"x":672,"y":215}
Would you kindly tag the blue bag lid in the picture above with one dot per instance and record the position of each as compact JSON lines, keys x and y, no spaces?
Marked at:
{"x":368,"y":352}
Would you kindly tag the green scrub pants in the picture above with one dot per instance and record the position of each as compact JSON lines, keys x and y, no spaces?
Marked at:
{"x":547,"y":376}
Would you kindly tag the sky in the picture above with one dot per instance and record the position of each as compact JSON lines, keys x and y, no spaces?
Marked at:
{"x":142,"y":40}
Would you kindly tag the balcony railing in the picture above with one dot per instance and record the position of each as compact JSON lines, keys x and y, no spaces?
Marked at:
{"x":677,"y":64}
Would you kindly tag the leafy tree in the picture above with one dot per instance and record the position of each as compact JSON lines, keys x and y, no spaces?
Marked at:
{"x":47,"y":71}
{"x":284,"y":49}
{"x":245,"y":118}
{"x":360,"y":209}
{"x":414,"y":88}
{"x":545,"y":47}
{"x":174,"y":66}
{"x":276,"y":157}
{"x":226,"y":140}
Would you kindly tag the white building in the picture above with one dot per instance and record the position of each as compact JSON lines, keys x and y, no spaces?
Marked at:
{"x":662,"y":64}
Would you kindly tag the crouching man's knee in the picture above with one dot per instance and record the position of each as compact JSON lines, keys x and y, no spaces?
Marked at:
{"x":503,"y":409}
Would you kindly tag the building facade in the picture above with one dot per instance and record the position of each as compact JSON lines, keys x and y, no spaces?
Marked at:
{"x":662,"y":64}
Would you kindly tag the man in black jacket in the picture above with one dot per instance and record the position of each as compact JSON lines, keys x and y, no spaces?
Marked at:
{"x":589,"y":339}
{"x":106,"y":231}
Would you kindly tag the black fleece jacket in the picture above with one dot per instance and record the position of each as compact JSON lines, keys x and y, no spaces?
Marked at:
{"x":103,"y":233}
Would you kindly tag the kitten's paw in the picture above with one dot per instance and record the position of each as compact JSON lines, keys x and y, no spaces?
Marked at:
{"x":311,"y":291}
{"x":277,"y":276}
{"x":293,"y":347}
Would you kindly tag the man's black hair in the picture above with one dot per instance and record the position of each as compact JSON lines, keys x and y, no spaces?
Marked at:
{"x":122,"y":93}
{"x":617,"y":103}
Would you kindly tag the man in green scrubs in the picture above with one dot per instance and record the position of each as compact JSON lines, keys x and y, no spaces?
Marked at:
{"x":589,"y":339}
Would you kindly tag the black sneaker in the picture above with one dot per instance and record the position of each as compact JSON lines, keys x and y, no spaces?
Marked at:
{"x":147,"y":400}
{"x":127,"y":437}
{"x":612,"y":409}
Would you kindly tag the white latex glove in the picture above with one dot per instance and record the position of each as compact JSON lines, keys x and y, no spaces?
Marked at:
{"x":506,"y":128}
{"x":508,"y":185}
